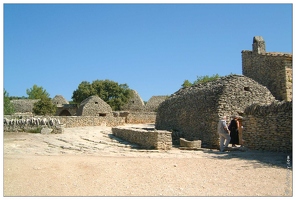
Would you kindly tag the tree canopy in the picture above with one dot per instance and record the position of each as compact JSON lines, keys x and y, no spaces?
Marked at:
{"x":37,"y":92}
{"x":116,"y":95}
{"x":44,"y":106}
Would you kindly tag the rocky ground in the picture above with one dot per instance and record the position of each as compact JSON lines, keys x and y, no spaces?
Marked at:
{"x":90,"y":161}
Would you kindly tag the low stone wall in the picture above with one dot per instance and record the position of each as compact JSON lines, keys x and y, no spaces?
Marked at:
{"x":18,"y":122}
{"x":25,"y":123}
{"x":29,"y":124}
{"x":77,"y":121}
{"x":268,"y":127}
{"x":147,"y":139}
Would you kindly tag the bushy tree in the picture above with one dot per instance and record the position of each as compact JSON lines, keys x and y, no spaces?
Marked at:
{"x":116,"y":95}
{"x":37,"y":92}
{"x":44,"y":107}
{"x":186,"y":83}
{"x":200,"y":80}
{"x":84,"y":91}
{"x":8,"y":106}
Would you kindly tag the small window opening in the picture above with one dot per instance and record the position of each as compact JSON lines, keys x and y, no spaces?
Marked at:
{"x":247,"y":88}
{"x":96,"y":102}
{"x":102,"y":114}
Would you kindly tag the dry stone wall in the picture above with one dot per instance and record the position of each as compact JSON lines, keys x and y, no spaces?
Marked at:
{"x":147,"y":139}
{"x":78,"y":121}
{"x":20,"y":122}
{"x":268,"y":127}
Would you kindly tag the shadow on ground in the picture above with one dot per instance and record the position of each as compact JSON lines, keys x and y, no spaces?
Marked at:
{"x":266,"y":158}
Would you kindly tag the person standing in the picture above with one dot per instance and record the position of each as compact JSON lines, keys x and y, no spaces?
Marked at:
{"x":223,"y":132}
{"x":233,"y":127}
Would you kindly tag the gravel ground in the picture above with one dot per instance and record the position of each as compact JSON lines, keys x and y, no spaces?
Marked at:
{"x":89,"y":161}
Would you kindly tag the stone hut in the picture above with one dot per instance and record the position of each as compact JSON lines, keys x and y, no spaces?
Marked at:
{"x":153,"y":103}
{"x":94,"y":106}
{"x":24,"y":105}
{"x":59,"y":101}
{"x":135,"y":103}
{"x":193,"y":112}
{"x":271,"y":69}
{"x":63,"y":106}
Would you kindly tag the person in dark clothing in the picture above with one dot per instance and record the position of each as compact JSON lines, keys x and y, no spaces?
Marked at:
{"x":233,"y":127}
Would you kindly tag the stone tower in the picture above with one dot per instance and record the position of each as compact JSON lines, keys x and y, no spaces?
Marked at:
{"x":272,"y":69}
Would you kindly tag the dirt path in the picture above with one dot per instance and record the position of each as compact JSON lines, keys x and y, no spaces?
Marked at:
{"x":88,"y":161}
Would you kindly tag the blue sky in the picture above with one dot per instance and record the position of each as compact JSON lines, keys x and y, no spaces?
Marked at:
{"x":152,"y":48}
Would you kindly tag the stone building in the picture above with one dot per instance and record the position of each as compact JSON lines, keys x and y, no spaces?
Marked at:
{"x":193,"y":112}
{"x":23,"y":105}
{"x":63,"y":106}
{"x":154,"y":102}
{"x":135,"y":103}
{"x":59,"y":100}
{"x":94,"y":106}
{"x":271,"y":69}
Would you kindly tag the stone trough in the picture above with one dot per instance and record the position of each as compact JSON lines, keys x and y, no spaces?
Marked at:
{"x":190,"y":145}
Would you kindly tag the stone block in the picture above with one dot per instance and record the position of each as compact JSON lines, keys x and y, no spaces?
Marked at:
{"x":186,"y":144}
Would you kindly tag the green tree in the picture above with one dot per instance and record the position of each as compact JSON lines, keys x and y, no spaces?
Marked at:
{"x":44,"y":107}
{"x":186,"y":83}
{"x":116,"y":95}
{"x":8,"y":106}
{"x":37,"y":92}
{"x":84,"y":91}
